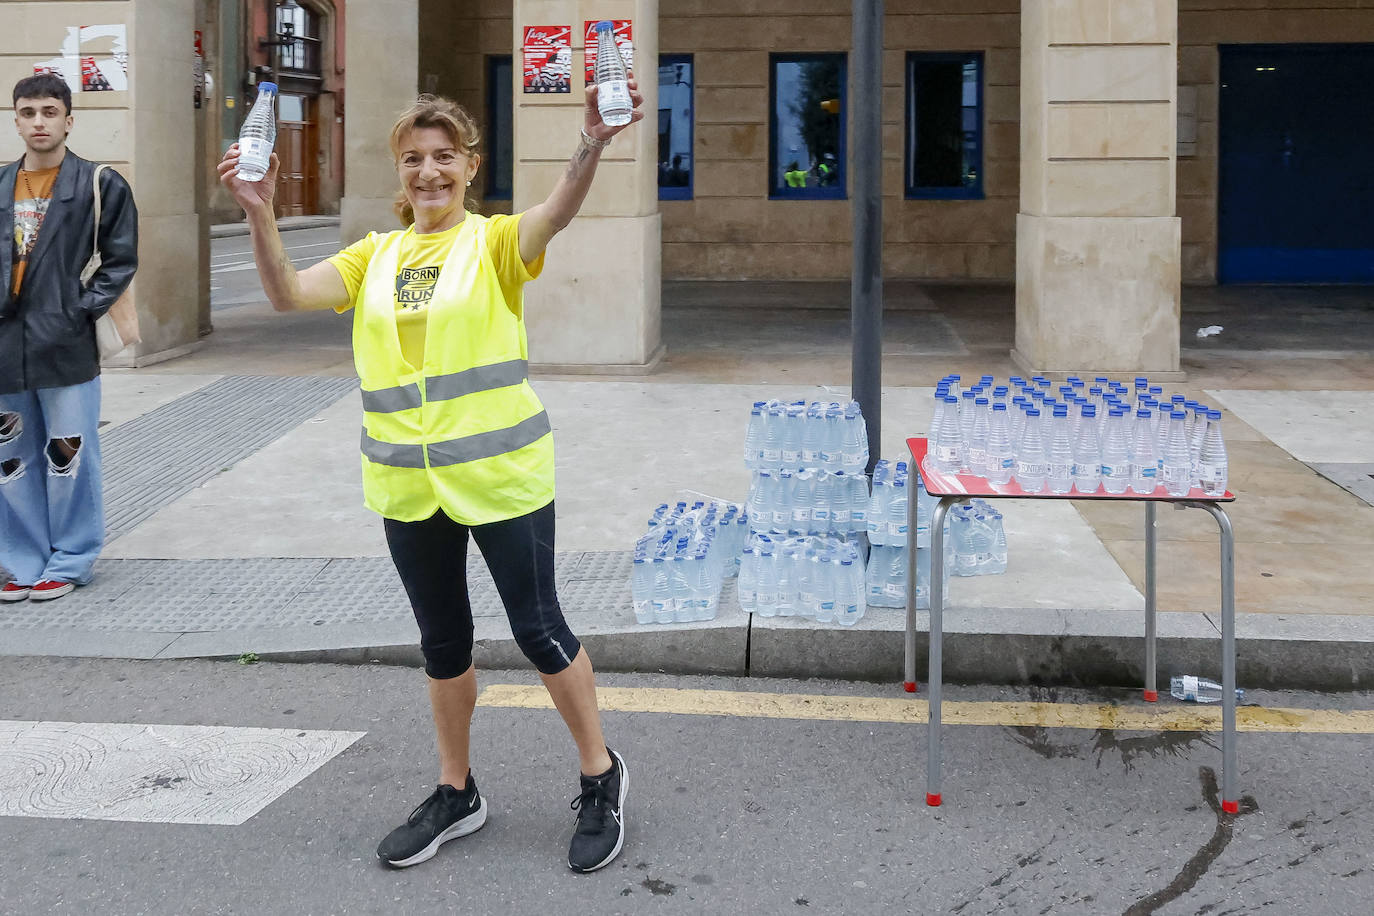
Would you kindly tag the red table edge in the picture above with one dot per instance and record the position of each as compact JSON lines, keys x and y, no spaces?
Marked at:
{"x":918,"y":447}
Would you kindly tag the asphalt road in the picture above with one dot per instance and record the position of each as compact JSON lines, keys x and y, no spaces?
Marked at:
{"x":726,"y":813}
{"x":234,"y":277}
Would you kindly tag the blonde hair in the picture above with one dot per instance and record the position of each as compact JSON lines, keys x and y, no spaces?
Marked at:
{"x":433,"y":111}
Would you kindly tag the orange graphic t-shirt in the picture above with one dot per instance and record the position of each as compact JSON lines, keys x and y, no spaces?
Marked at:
{"x":32,"y":191}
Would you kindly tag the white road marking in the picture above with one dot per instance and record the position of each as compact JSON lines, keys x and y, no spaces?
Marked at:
{"x":171,"y":774}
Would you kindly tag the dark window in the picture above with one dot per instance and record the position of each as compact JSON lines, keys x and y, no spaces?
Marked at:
{"x":675,"y":127}
{"x":806,"y":145}
{"x":944,"y":125}
{"x":302,"y":54}
{"x":500,"y":161}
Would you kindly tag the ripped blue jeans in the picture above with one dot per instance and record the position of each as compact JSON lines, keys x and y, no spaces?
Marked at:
{"x":52,"y":517}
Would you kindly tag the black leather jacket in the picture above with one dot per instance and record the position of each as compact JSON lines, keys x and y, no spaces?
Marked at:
{"x":47,"y":334}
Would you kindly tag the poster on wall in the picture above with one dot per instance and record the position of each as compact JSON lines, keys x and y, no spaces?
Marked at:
{"x":621,"y":29}
{"x":547,"y":54}
{"x":198,"y":70}
{"x":92,"y":58}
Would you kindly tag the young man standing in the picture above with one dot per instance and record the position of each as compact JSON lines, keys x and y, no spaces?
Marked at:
{"x":52,"y":519}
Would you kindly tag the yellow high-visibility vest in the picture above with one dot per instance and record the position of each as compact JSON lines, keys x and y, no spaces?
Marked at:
{"x":465,"y":432}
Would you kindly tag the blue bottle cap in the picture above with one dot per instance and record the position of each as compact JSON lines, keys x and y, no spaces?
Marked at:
{"x":1214,"y":414}
{"x":605,"y":25}
{"x":1003,"y":407}
{"x":1032,"y":412}
{"x":1095,"y":391}
{"x":1143,"y":414}
{"x":1000,"y":391}
{"x":981,"y":402}
{"x":266,"y":87}
{"x":1101,"y":379}
{"x":1061,"y":410}
{"x":1178,"y":399}
{"x":951,"y":399}
{"x":1073,"y":380}
{"x":1178,"y":415}
{"x":986,"y":380}
{"x":1089,"y":410}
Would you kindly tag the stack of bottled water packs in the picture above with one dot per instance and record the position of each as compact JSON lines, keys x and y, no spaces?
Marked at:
{"x":807,"y":509}
{"x":1103,"y":437}
{"x":683,"y":559}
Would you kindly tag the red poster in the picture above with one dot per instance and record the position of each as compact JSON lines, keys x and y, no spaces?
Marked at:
{"x":547,"y":52}
{"x":622,"y":30}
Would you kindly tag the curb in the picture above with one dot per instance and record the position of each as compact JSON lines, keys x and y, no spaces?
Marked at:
{"x":286,"y":224}
{"x":1078,"y":648}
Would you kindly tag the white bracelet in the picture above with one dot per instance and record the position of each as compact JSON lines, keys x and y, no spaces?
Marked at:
{"x":592,"y":142}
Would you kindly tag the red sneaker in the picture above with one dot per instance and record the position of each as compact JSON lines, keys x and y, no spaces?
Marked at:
{"x":49,"y":589}
{"x":13,"y":591}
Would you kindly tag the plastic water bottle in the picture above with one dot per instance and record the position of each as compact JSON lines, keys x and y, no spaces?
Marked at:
{"x":897,"y":509}
{"x":642,"y":586}
{"x":949,"y":446}
{"x":978,"y":439}
{"x":1116,"y":462}
{"x":1059,"y":456}
{"x":770,"y":455}
{"x":793,"y":420}
{"x":813,"y":429}
{"x":612,"y":86}
{"x":1087,"y":454}
{"x":1212,"y":470}
{"x":1197,"y":431}
{"x":1144,"y":461}
{"x":854,"y":441}
{"x":747,"y":584}
{"x":1176,"y":466}
{"x":663,"y":604}
{"x":753,"y":436}
{"x":1030,"y":456}
{"x":1198,"y":689}
{"x":999,"y":545}
{"x":258,"y":134}
{"x":1001,"y":456}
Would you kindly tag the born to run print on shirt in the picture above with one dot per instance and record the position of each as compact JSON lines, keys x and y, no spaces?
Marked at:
{"x":415,"y":287}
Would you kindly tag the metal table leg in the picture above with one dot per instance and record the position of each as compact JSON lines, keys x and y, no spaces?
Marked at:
{"x":936,"y":672}
{"x":1230,"y":801}
{"x":1151,"y":692}
{"x":909,"y":682}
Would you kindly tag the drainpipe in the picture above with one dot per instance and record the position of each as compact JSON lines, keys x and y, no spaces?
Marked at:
{"x":866,"y":209}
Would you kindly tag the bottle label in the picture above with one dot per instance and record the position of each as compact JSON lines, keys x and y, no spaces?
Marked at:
{"x":1145,"y":470}
{"x":821,"y":514}
{"x":791,"y":457}
{"x":851,"y":459}
{"x":1189,"y":687}
{"x":255,"y":149}
{"x":772,"y":455}
{"x":966,"y":560}
{"x":946,"y":454}
{"x":841,"y":516}
{"x":1008,"y":463}
{"x":1210,"y":473}
{"x":1059,"y":470}
{"x":1115,"y":470}
{"x":1029,"y":469}
{"x":977,"y":457}
{"x":894,"y":590}
{"x":613,"y":95}
{"x":1174,"y":473}
{"x":801,"y":514}
{"x":1086,"y":471}
{"x":858,"y":516}
{"x":809,"y":456}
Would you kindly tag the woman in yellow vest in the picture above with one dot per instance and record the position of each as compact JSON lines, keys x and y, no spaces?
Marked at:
{"x":455,"y":440}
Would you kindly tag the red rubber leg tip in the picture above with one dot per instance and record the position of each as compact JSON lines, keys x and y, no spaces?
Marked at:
{"x":909,"y":686}
{"x":1151,"y":696}
{"x":933,"y":799}
{"x":1231,"y":807}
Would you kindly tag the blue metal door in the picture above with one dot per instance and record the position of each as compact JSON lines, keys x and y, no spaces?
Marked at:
{"x":1296,"y":170}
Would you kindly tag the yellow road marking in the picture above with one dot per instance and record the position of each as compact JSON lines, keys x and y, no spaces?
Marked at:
{"x":900,"y":710}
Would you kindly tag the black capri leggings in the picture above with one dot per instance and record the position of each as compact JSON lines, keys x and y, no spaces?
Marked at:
{"x":431,"y":557}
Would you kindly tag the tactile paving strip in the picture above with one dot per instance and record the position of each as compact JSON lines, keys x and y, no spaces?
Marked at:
{"x":154,"y":459}
{"x":192,"y":596}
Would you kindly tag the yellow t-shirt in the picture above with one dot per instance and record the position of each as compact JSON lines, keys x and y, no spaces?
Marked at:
{"x":421,"y":257}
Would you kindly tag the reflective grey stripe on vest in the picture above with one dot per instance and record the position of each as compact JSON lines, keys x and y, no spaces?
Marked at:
{"x":490,"y":444}
{"x":390,"y":400}
{"x":457,"y":451}
{"x":447,"y":387}
{"x":396,"y":456}
{"x":478,"y":378}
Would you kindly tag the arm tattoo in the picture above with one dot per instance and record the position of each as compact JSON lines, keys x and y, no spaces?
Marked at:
{"x":576,"y":163}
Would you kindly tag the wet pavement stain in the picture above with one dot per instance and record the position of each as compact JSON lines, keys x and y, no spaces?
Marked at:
{"x":1202,"y":860}
{"x":658,"y":887}
{"x":1037,"y":738}
{"x":1161,"y":744}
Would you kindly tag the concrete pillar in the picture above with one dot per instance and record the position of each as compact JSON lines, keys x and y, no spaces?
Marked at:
{"x":1098,"y":255}
{"x":382,"y":52}
{"x":144,"y":127}
{"x":596,"y":306}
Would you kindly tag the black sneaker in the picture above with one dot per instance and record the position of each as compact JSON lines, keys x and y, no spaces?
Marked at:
{"x":600,"y":822}
{"x":445,"y":815}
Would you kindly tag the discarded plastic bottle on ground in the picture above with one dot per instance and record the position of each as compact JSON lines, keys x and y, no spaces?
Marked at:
{"x":612,"y":86}
{"x":1198,"y":689}
{"x":258,"y":134}
{"x":1211,"y":461}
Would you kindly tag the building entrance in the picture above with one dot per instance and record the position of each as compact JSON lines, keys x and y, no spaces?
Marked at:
{"x":1295,"y":194}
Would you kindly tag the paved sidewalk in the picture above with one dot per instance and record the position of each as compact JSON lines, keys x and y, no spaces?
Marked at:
{"x":236,"y":525}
